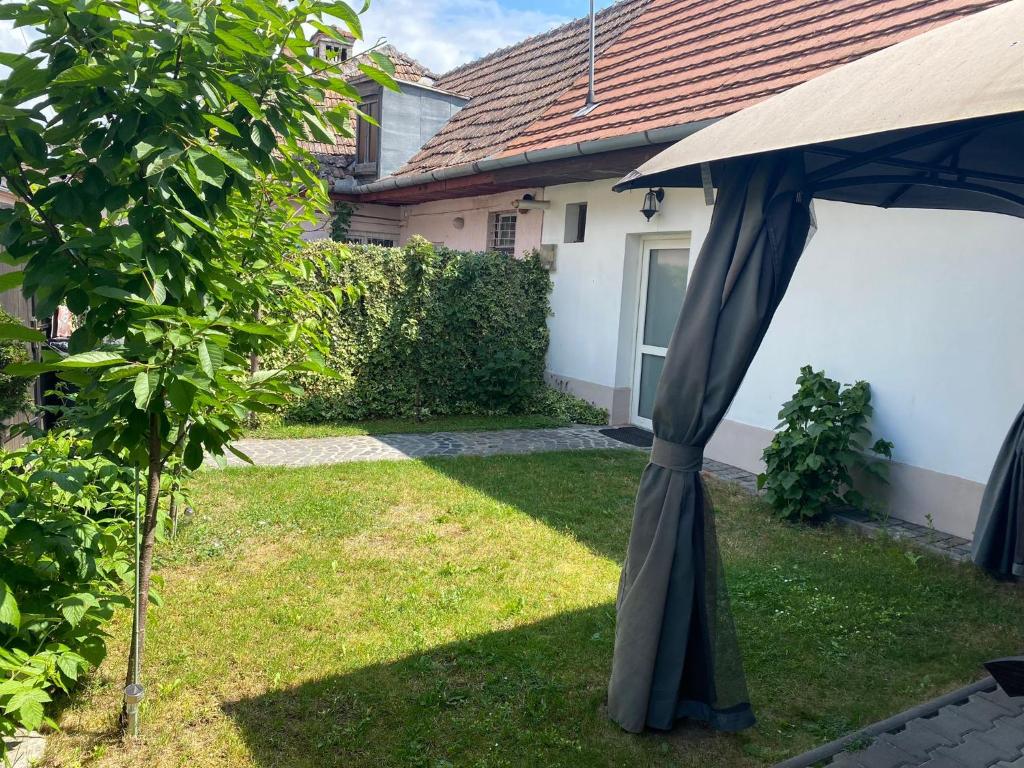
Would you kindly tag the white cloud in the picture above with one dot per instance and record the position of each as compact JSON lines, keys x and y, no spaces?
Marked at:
{"x":445,"y":33}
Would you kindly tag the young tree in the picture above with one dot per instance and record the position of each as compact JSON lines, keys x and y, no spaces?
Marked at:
{"x":154,"y":146}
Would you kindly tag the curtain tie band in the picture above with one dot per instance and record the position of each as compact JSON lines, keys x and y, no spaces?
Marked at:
{"x":676,"y":456}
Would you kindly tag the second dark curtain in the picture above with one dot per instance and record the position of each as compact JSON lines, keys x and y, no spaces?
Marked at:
{"x":999,"y":536}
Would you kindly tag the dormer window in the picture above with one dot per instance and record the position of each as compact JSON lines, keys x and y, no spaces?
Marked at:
{"x":335,"y":52}
{"x":337,"y":48}
{"x":368,"y":136}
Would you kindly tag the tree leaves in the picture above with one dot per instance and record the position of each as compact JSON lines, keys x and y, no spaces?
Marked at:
{"x":94,"y":359}
{"x":146,"y":384}
{"x":20,"y":332}
{"x":10,"y":616}
{"x":10,"y":280}
{"x":243,"y":97}
{"x":163,"y":161}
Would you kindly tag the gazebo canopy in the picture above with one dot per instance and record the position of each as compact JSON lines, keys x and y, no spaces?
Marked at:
{"x":934,"y":122}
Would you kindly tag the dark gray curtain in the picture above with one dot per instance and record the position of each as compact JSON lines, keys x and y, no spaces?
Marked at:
{"x":675,"y":653}
{"x":999,"y":535}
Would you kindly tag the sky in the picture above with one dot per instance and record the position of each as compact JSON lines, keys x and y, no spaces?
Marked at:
{"x":439,"y":33}
{"x":445,"y":33}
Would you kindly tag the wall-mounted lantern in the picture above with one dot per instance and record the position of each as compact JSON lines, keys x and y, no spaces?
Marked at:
{"x":652,"y":203}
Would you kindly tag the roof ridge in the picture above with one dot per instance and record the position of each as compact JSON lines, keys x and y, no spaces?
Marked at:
{"x":561,"y":28}
{"x":427,"y":71}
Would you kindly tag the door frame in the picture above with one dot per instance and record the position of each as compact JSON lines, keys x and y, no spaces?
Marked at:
{"x":647,"y":244}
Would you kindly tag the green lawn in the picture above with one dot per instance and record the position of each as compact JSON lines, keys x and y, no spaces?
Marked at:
{"x":460,"y":613}
{"x":276,"y":429}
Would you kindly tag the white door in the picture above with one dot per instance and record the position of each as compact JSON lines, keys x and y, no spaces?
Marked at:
{"x":664,"y":267}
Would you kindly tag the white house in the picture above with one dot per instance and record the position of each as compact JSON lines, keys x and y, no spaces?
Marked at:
{"x":924,"y":305}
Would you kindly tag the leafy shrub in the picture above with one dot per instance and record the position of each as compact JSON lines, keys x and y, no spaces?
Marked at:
{"x":13,"y":389}
{"x":432,"y":332}
{"x":821,"y":440}
{"x":566,"y":407}
{"x":65,"y":564}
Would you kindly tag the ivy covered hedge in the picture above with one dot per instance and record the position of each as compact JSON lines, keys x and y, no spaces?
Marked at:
{"x":431,"y":331}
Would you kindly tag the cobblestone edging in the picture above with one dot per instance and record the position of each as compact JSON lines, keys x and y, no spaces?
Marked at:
{"x":937,"y":542}
{"x":337,"y":450}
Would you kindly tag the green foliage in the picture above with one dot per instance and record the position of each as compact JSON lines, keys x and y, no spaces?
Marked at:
{"x":341,"y":220}
{"x":820,"y":442}
{"x":157,"y":154}
{"x":155,"y":197}
{"x":65,"y":564}
{"x":13,"y":389}
{"x":434,"y":332}
{"x":566,"y":407}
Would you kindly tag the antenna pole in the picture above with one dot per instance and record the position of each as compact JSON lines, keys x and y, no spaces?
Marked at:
{"x":591,"y":97}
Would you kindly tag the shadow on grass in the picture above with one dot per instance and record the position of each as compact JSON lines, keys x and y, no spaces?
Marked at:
{"x":584,"y":494}
{"x":533,"y":695}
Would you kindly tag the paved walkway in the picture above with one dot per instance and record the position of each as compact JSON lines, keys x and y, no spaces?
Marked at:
{"x":978,"y":726}
{"x":337,"y":450}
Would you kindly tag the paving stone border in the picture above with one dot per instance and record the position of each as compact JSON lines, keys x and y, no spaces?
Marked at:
{"x":307,"y":452}
{"x":930,"y":539}
{"x":977,"y":726}
{"x":25,"y":748}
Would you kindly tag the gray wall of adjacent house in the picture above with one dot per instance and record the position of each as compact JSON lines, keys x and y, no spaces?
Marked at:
{"x":922,"y":304}
{"x":410,"y":118}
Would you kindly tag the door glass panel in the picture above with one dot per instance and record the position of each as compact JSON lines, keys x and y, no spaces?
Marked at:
{"x":650,"y":372}
{"x":666,"y":286}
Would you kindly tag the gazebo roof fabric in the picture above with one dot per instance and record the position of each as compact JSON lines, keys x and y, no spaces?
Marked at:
{"x":936,"y":121}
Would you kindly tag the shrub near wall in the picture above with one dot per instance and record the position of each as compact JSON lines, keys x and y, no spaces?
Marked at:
{"x":434,"y":332}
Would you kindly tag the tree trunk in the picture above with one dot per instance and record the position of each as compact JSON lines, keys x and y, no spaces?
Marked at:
{"x":155,"y":471}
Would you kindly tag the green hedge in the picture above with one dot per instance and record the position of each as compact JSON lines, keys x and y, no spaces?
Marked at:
{"x":433,"y":332}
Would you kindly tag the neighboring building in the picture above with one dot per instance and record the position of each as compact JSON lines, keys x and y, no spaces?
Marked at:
{"x":923,"y":304}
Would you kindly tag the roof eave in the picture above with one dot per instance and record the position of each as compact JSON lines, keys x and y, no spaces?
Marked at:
{"x":650,"y":137}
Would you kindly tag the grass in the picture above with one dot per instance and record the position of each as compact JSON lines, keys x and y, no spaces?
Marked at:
{"x":459,"y":612}
{"x":276,"y":429}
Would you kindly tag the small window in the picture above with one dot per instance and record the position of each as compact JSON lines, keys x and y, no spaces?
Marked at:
{"x":334,"y":52}
{"x":358,"y":238}
{"x":367,"y":135}
{"x":575,"y":222}
{"x":502,"y":236}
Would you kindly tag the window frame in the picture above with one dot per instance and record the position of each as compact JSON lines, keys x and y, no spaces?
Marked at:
{"x":367,"y":135}
{"x":575,"y":223}
{"x":503,"y":244}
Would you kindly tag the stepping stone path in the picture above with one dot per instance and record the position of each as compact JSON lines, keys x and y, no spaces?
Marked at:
{"x":337,"y":450}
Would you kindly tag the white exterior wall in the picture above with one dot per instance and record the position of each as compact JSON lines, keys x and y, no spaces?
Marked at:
{"x":925,"y":305}
{"x":439,"y":221}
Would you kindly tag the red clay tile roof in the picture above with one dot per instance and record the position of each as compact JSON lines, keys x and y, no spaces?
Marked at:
{"x":512,"y":87}
{"x":662,"y":63}
{"x":684,"y":61}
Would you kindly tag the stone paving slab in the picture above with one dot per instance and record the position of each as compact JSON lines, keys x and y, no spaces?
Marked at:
{"x":338,"y":450}
{"x":25,"y":748}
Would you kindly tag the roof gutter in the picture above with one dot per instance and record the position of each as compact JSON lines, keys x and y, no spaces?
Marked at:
{"x":579,"y":149}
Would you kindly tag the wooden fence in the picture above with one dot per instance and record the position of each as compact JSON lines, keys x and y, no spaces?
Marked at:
{"x":15,"y":304}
